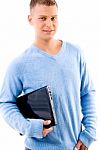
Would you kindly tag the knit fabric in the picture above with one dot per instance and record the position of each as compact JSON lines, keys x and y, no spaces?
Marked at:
{"x":73,"y":93}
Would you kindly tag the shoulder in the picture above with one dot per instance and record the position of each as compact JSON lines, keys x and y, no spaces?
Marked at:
{"x":18,"y":62}
{"x":74,"y":49}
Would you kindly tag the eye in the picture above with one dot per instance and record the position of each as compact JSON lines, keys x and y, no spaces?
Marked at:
{"x":53,"y":18}
{"x":42,"y":18}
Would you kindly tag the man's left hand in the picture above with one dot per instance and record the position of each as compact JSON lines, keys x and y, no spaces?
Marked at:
{"x":80,"y":146}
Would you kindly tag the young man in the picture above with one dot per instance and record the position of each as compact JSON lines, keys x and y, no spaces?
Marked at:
{"x":60,"y":65}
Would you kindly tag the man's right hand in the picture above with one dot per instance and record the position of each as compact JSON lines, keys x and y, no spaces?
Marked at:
{"x":46,"y":130}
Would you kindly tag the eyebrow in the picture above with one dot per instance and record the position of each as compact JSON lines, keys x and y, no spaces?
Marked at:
{"x":47,"y":16}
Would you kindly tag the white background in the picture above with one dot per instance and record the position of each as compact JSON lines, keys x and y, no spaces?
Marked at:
{"x":79,"y":24}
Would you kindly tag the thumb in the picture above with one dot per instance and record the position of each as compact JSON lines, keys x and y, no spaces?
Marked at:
{"x":78,"y":145}
{"x":46,"y":122}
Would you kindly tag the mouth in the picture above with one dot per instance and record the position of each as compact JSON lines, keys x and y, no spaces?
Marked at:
{"x":48,"y":31}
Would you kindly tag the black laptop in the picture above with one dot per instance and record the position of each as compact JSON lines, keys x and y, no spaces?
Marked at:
{"x":38,"y":104}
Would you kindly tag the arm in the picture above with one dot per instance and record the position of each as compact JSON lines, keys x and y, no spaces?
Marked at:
{"x":88,"y":135}
{"x":11,"y":88}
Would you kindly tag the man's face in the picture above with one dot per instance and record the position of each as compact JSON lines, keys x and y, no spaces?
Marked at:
{"x":45,"y":21}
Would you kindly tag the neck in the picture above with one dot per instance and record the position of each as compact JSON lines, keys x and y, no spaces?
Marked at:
{"x":45,"y":44}
{"x":51,"y":46}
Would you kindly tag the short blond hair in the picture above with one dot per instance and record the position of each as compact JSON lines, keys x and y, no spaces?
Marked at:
{"x":33,"y":3}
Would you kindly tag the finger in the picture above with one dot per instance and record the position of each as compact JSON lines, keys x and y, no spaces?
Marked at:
{"x":78,"y":145}
{"x":46,"y":122}
{"x":83,"y":147}
{"x":76,"y":148}
{"x":46,"y":131}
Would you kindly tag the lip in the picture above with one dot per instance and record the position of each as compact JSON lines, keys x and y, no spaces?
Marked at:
{"x":48,"y":31}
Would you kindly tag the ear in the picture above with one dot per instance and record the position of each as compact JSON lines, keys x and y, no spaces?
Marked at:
{"x":30,"y":19}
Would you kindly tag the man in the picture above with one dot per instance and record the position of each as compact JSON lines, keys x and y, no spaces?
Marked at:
{"x":60,"y":65}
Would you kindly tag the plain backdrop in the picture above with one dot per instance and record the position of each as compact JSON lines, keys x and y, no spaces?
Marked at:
{"x":78,"y":24}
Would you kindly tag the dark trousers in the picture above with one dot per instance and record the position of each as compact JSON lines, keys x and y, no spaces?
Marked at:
{"x":27,"y":148}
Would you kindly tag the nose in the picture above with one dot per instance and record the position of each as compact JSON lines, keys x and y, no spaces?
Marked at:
{"x":48,"y":22}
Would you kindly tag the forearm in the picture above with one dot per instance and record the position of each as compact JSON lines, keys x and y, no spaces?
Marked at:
{"x":11,"y":114}
{"x":88,"y":135}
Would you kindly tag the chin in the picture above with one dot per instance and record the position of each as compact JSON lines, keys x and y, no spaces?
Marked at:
{"x":48,"y":38}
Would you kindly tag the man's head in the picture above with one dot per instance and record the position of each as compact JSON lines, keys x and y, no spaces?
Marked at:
{"x":43,"y":17}
{"x":33,"y":3}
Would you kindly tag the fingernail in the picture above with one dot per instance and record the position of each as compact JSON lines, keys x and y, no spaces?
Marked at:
{"x":49,"y":121}
{"x":75,"y":148}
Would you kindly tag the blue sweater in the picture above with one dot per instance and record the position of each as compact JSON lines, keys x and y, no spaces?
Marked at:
{"x":73,"y":92}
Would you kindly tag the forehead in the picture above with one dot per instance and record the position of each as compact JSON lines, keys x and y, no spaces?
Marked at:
{"x":44,"y":10}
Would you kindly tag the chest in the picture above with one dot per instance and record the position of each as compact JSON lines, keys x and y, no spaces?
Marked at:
{"x":41,"y":72}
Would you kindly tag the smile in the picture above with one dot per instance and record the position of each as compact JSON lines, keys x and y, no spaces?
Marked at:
{"x":48,"y":31}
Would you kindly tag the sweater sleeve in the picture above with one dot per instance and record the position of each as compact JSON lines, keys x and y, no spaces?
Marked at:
{"x":11,"y":88}
{"x":88,"y":135}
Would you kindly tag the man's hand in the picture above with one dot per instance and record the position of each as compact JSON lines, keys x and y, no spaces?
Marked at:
{"x":46,"y":131}
{"x":80,"y":146}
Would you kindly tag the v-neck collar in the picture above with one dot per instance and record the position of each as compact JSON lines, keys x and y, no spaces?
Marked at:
{"x":46,"y":53}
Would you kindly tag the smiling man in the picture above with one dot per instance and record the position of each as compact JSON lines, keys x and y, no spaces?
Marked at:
{"x":44,"y":19}
{"x":61,"y":66}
